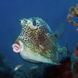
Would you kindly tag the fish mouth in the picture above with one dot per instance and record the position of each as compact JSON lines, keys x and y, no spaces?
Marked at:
{"x":17,"y":46}
{"x":18,"y":42}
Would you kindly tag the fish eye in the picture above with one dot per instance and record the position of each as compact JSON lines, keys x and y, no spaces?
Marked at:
{"x":34,"y":23}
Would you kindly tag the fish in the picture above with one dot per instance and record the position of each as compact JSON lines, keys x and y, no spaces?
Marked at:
{"x":37,"y":43}
{"x":17,"y":67}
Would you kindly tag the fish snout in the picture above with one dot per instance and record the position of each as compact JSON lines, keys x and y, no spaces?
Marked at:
{"x":18,"y":46}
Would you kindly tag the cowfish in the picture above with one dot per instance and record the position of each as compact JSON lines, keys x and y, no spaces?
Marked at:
{"x":37,"y":43}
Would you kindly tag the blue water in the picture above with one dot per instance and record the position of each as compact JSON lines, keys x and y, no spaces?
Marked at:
{"x":54,"y":12}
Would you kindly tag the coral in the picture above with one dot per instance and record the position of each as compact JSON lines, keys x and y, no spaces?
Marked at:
{"x":74,"y":12}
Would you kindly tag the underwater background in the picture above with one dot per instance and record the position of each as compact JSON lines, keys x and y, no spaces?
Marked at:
{"x":54,"y":12}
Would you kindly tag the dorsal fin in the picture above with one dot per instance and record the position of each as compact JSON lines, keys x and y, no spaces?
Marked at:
{"x":60,"y":31}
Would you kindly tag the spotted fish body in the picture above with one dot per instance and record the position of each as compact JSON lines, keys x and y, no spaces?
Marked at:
{"x":38,"y":42}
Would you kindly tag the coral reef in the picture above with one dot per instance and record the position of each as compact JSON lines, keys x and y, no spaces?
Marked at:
{"x":61,"y":71}
{"x":39,"y":70}
{"x":30,"y":71}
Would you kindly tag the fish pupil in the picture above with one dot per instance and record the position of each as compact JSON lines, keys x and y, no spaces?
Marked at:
{"x":34,"y":23}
